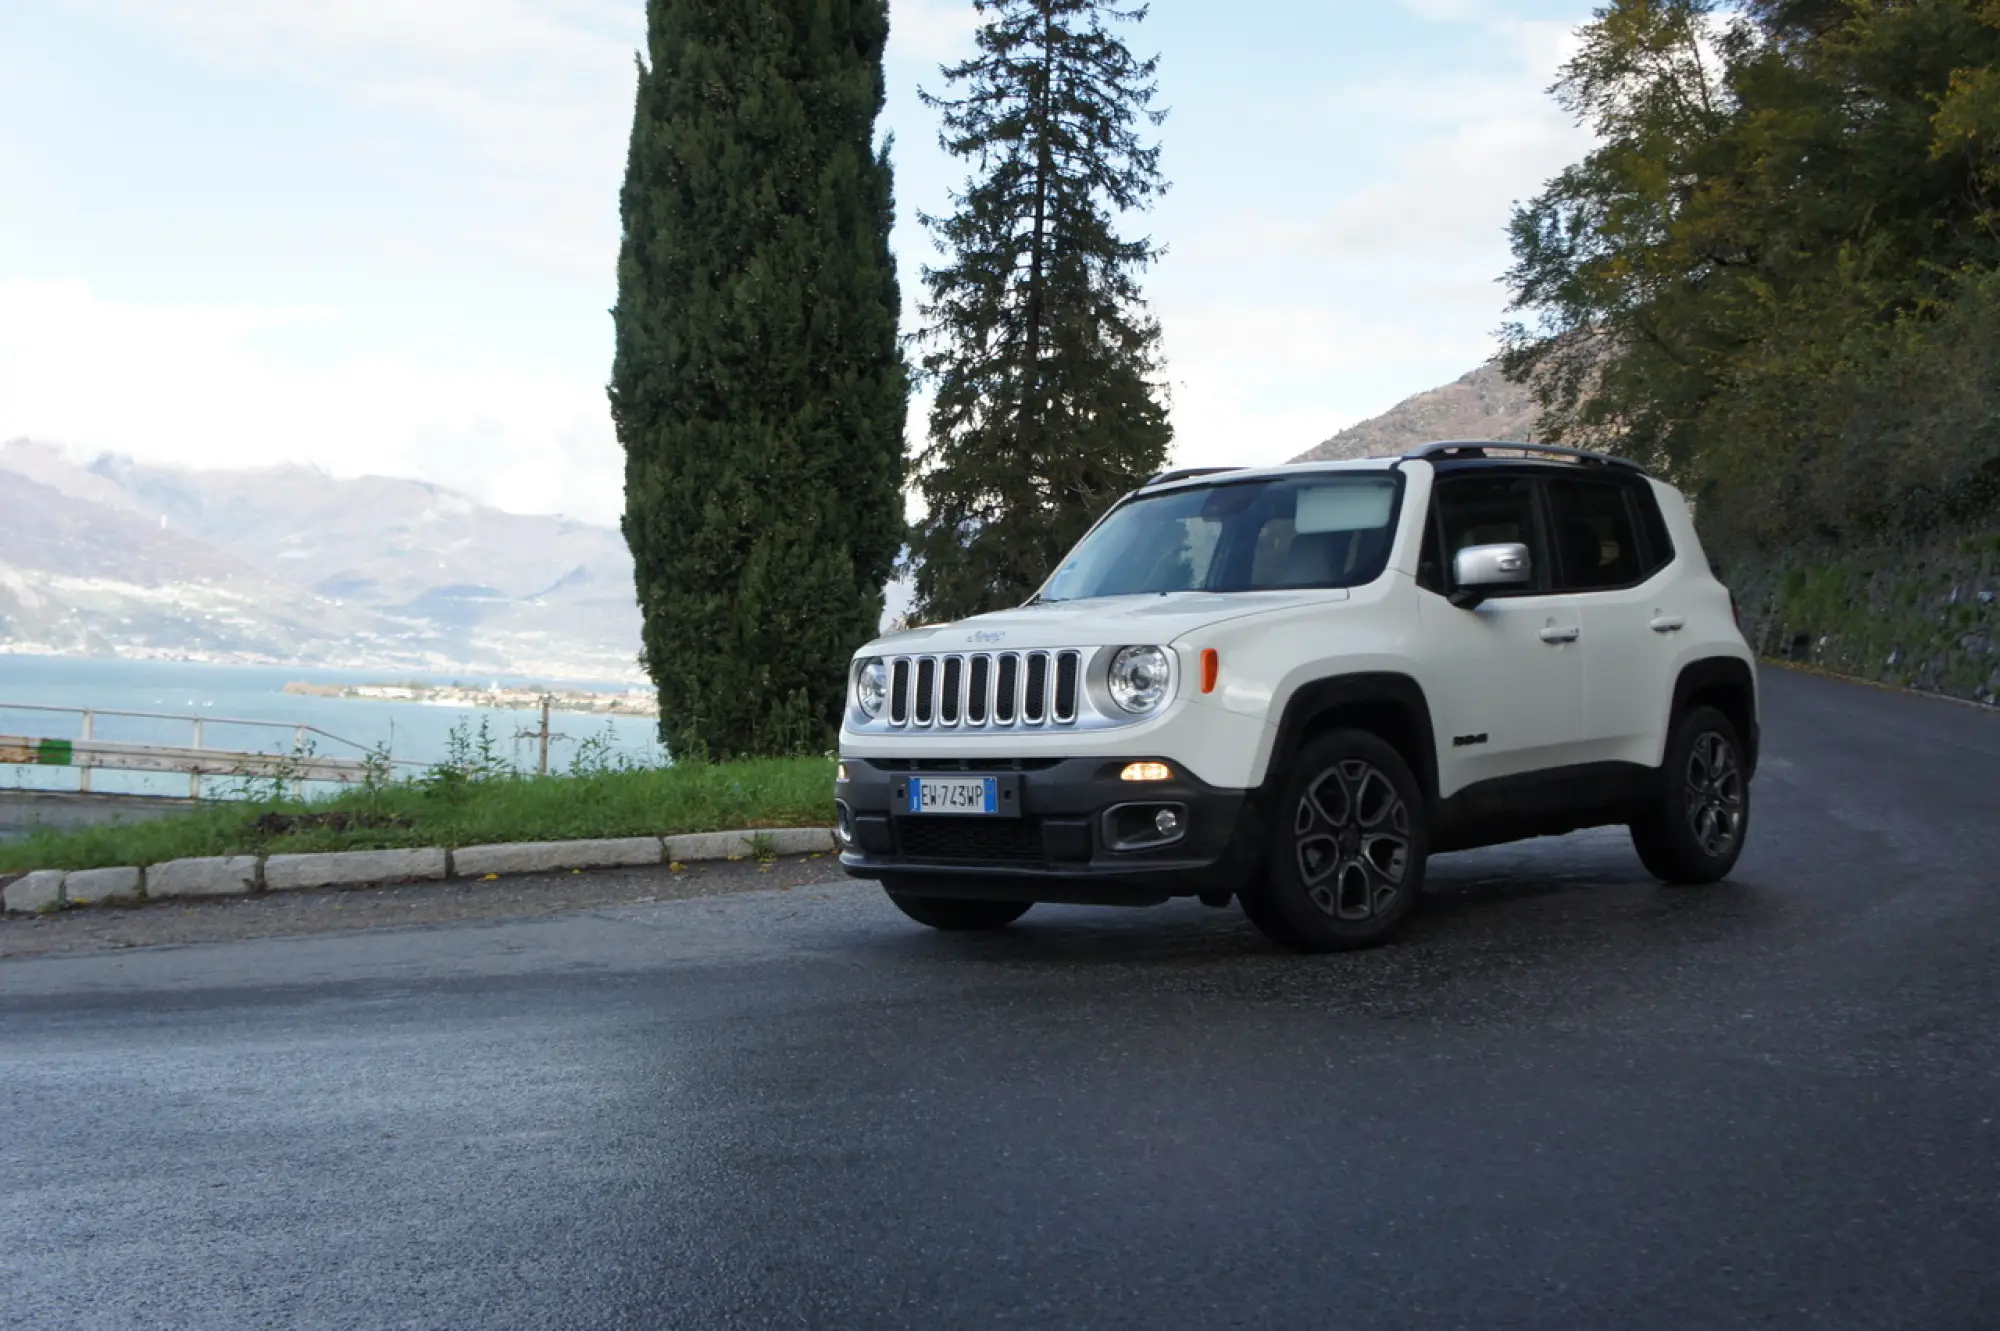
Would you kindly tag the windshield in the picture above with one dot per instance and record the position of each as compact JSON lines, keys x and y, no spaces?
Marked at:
{"x":1326,"y":529}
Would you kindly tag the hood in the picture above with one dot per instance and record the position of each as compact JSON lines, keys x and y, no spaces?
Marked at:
{"x":1097,"y":622}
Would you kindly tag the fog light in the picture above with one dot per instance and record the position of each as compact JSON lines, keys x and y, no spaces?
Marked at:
{"x":1168,"y":822}
{"x":1146,"y":772}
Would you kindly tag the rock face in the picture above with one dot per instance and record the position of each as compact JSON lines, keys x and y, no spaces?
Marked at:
{"x":1478,"y":405}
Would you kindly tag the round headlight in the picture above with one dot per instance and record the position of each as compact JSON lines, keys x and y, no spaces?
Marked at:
{"x":871,"y":687}
{"x":1139,"y":677}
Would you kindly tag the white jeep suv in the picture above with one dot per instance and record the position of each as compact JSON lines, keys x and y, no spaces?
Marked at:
{"x":1293,"y":685}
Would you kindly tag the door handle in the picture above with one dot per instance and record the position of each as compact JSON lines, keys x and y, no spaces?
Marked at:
{"x":1565,"y":633}
{"x":1667,"y":623}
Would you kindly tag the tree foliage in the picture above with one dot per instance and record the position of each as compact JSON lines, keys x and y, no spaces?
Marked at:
{"x":1777,"y":276}
{"x":1041,"y":350}
{"x":758,"y":388}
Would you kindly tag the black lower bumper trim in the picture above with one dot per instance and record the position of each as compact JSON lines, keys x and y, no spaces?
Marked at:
{"x":1081,"y":834}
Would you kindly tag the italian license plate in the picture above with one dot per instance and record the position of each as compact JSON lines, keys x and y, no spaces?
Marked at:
{"x":977,"y":794}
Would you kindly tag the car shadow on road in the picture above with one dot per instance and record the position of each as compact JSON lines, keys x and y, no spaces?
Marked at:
{"x":1549,"y":901}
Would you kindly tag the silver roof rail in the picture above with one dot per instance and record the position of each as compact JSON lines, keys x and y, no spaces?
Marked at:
{"x":1476,"y":448}
{"x":1184,"y":473}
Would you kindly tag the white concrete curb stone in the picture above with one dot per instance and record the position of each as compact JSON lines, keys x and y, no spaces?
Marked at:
{"x":695,"y":846}
{"x":691,"y":846}
{"x":36,"y":891}
{"x":94,"y":887}
{"x":221,"y":876}
{"x":794,"y":840}
{"x":544,"y":856}
{"x":237,"y":875}
{"x":353,"y":868}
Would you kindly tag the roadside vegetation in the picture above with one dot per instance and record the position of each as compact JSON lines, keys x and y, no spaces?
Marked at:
{"x":1044,"y":357}
{"x":758,"y":387}
{"x":1776,"y":279}
{"x":473,"y":799}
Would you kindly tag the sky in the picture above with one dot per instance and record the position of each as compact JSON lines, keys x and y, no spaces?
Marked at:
{"x":381,"y":236}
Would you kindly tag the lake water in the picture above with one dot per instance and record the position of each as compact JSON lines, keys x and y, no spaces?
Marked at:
{"x":415,"y":733}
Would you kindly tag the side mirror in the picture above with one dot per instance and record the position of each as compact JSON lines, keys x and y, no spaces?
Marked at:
{"x":1479,"y":569}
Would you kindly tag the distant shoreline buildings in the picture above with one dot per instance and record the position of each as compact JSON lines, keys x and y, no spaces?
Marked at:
{"x":632,"y":702}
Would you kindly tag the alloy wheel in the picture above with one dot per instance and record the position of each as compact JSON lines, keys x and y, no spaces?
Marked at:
{"x":1351,"y":839}
{"x":1714,"y":794}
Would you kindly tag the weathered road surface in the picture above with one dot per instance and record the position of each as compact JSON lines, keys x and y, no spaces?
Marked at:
{"x":1567,"y":1098}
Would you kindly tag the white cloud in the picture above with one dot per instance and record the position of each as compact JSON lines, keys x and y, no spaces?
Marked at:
{"x":1392,"y":287}
{"x":932,"y":31}
{"x":1256,"y":384}
{"x":534,"y":96}
{"x":1455,"y":193}
{"x":198,"y":385}
{"x":522,"y":77}
{"x":1298,"y":314}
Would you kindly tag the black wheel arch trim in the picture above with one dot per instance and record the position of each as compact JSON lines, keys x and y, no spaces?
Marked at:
{"x":1317,"y":698}
{"x":1722,"y":674}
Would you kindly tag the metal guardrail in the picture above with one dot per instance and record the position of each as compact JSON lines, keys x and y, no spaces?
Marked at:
{"x":86,"y":752}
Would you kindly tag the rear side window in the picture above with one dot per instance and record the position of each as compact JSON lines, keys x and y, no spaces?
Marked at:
{"x":1659,"y":550}
{"x":1596,"y":539}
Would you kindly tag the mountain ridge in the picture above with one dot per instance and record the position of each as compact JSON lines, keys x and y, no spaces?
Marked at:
{"x":287,"y":563}
{"x":1480,"y":404}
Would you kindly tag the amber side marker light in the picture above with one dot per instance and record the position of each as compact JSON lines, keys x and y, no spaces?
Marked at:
{"x":1211,"y":666}
{"x":1146,"y":772}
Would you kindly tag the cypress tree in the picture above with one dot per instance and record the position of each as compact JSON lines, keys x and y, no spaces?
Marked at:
{"x":1041,"y":349}
{"x":758,"y":388}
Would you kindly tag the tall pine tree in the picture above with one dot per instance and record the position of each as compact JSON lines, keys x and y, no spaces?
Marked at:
{"x":758,"y":387}
{"x":1041,"y":350}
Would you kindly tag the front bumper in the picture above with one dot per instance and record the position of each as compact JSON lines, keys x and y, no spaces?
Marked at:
{"x":1081,"y":834}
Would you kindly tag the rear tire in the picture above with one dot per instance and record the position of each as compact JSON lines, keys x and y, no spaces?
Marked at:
{"x":1693,"y":828}
{"x":958,"y":915}
{"x":1347,"y":855}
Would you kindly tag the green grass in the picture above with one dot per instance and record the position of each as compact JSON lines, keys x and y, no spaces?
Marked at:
{"x":447,"y":810}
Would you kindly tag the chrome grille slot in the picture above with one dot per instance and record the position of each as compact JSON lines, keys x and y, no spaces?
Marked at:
{"x":1035,"y":705}
{"x":899,"y":692}
{"x":926,"y":708}
{"x":1069,"y":667}
{"x":1007,"y":691}
{"x":978,"y":690}
{"x":951,"y":698}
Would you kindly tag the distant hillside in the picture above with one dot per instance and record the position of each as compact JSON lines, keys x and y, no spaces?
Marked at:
{"x":113,"y":557}
{"x":1479,"y":405}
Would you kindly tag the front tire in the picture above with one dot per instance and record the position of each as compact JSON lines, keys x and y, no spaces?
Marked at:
{"x":1693,"y":828}
{"x":957,"y":915}
{"x":1347,"y":857}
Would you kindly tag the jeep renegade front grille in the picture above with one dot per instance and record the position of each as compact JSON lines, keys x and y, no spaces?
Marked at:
{"x":986,"y":689}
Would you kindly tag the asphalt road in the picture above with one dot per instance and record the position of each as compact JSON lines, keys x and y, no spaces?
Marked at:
{"x":1566,"y":1098}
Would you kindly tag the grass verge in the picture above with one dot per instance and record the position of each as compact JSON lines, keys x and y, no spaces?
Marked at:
{"x":446,"y":809}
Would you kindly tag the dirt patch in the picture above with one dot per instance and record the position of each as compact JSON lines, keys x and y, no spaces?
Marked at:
{"x":343,"y":910}
{"x":334,"y":820}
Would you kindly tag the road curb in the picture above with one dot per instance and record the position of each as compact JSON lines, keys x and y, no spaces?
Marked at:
{"x":242,"y":875}
{"x":208,"y":876}
{"x":355,"y":868}
{"x":553,"y":856}
{"x":1822,"y":672}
